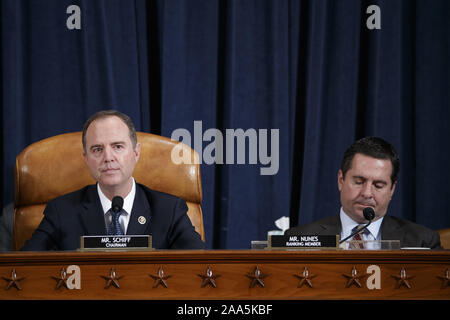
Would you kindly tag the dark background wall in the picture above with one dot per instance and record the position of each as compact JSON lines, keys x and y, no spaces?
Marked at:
{"x":311,"y":69}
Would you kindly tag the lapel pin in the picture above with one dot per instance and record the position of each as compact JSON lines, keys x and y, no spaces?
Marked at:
{"x":142,"y":220}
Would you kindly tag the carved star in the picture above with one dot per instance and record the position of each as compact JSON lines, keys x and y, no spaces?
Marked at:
{"x":445,"y":279}
{"x":113,"y":279}
{"x":13,"y":281}
{"x":209,"y":278}
{"x":305,"y":277}
{"x":257,"y":277}
{"x":354,"y":278}
{"x":403,"y":279}
{"x":62,"y":280}
{"x":160,"y":278}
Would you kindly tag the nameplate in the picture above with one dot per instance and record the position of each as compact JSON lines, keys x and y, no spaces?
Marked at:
{"x":139,"y":242}
{"x":303,"y":242}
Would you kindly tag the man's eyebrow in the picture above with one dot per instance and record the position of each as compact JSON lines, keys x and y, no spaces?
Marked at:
{"x":375,"y":181}
{"x":98,"y":145}
{"x":118,"y":142}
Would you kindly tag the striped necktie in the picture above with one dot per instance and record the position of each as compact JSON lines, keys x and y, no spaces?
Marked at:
{"x":358,"y":236}
{"x":114,"y":227}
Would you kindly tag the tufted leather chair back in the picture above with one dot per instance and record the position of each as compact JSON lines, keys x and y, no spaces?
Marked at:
{"x":55,"y":166}
{"x":444,"y":234}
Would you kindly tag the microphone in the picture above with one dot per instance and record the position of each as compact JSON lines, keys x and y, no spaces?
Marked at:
{"x":369,"y":214}
{"x":116,"y":206}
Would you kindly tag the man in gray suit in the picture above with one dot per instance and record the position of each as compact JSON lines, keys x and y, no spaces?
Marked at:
{"x":367,"y":178}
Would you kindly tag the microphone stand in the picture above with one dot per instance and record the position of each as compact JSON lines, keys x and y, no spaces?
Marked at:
{"x":357,"y":231}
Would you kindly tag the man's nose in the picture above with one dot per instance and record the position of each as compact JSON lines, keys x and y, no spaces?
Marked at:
{"x":108,"y":154}
{"x":367,"y":190}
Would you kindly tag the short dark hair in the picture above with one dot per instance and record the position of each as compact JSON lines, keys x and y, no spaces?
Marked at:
{"x":374,"y":147}
{"x":110,"y":113}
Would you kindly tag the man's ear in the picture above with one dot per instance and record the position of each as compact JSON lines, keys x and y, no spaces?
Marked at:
{"x":393,"y":188}
{"x":340,"y":179}
{"x":137,"y":151}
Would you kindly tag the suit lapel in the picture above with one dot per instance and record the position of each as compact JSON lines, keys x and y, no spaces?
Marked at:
{"x":140,"y":214}
{"x":390,"y":229}
{"x":91,"y":213}
{"x":332,"y":225}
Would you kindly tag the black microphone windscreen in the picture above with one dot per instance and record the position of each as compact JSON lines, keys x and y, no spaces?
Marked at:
{"x":117,"y":204}
{"x":369,"y":213}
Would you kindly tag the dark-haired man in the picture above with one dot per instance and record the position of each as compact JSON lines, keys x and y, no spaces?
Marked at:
{"x":367,"y":178}
{"x":111,"y":151}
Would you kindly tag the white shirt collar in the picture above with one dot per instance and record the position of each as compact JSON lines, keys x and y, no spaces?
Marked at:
{"x":348,"y":224}
{"x":127,"y":201}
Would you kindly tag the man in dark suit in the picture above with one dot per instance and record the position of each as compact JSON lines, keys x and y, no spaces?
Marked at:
{"x":111,"y":152}
{"x":367,"y":178}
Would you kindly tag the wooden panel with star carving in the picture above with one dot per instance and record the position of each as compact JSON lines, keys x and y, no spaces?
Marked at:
{"x":226,"y":274}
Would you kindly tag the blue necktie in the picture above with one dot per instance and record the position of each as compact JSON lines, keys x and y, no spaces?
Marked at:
{"x":115,"y":218}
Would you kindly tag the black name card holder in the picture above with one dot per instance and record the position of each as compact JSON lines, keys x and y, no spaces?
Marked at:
{"x":299,"y":242}
{"x":127,"y":242}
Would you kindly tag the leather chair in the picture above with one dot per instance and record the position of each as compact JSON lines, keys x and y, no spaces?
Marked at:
{"x":444,"y":234}
{"x":55,"y":166}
